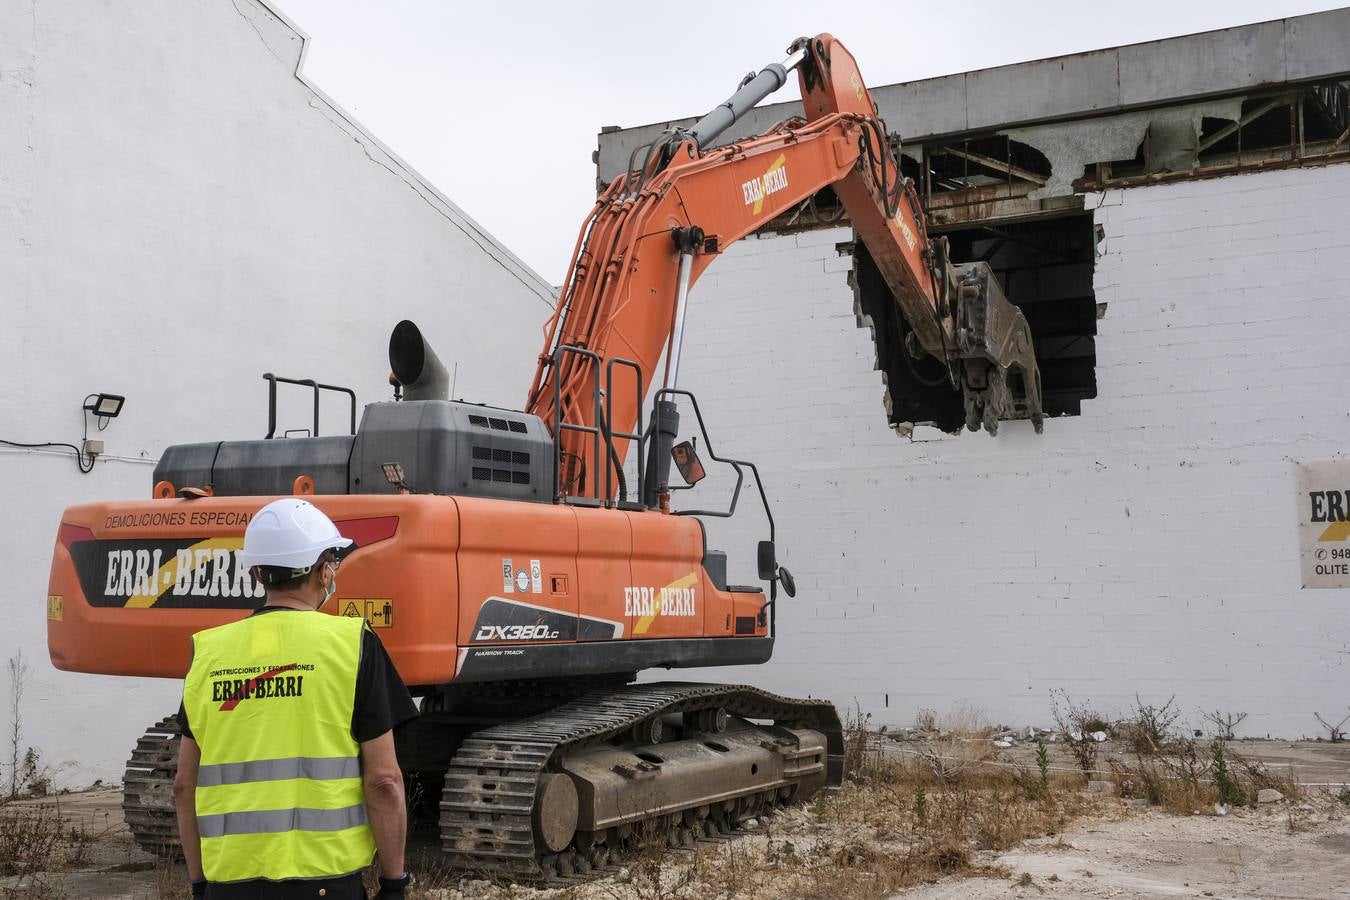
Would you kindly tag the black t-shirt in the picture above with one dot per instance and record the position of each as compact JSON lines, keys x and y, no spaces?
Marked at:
{"x":382,"y":699}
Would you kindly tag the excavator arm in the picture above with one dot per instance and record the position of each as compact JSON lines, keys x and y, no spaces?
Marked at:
{"x":655,"y":229}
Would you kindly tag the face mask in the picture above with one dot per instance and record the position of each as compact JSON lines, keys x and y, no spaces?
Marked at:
{"x":329,"y":589}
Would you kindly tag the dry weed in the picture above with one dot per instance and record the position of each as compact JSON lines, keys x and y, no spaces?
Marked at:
{"x":1189,"y":777}
{"x":1256,"y":775}
{"x":1150,"y":728}
{"x":856,"y":738}
{"x":171,"y":881}
{"x":1076,"y":722}
{"x":30,"y":839}
{"x":960,"y":742}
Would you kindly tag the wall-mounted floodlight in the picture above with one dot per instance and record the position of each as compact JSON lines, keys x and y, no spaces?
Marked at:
{"x":393,"y":473}
{"x":105,"y":406}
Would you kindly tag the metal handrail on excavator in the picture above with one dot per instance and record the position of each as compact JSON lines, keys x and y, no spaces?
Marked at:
{"x":272,"y":381}
{"x":602,"y":401}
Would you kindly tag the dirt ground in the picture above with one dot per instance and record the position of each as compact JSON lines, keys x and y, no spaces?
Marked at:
{"x":1283,"y":850}
{"x":1247,"y":855}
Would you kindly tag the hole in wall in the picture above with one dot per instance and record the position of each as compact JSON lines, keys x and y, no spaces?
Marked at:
{"x":1045,"y":268}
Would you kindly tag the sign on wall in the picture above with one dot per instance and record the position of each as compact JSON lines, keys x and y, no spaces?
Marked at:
{"x":1324,"y":523}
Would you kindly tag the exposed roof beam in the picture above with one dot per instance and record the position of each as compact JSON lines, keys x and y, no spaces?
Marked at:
{"x":996,"y":164}
{"x":1247,"y":119}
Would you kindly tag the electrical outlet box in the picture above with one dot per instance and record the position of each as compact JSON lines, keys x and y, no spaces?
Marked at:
{"x":92,"y":447}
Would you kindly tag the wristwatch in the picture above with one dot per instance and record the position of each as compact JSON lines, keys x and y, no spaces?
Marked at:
{"x":395,"y":885}
{"x":199,"y":888}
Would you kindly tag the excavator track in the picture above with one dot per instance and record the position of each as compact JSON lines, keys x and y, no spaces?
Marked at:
{"x":505,"y":792}
{"x":147,"y":790}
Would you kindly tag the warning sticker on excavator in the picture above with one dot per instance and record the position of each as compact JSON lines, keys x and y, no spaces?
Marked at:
{"x":56,"y":607}
{"x":1324,"y":523}
{"x":379,"y":613}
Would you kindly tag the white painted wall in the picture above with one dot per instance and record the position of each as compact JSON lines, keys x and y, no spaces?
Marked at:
{"x":1146,"y":546}
{"x":180,"y":212}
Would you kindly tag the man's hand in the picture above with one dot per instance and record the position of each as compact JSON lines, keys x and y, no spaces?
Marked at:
{"x":393,"y":887}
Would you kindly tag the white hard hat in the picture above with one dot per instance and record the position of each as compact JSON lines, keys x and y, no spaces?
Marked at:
{"x":289,"y":534}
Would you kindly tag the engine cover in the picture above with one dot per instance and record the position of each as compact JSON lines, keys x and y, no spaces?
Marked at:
{"x":451,"y":447}
{"x":443,"y":446}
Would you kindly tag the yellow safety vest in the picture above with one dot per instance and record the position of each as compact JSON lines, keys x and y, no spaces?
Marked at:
{"x":279,"y":791}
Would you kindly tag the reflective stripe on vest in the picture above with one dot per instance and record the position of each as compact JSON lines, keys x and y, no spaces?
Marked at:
{"x":318,"y":769}
{"x":274,"y":820}
{"x":279,"y":792}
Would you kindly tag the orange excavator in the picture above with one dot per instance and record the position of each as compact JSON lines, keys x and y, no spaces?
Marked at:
{"x":518,"y":580}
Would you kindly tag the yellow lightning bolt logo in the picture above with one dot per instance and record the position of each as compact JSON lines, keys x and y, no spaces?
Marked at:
{"x":169,"y":573}
{"x":772,"y":181}
{"x":1337,"y":531}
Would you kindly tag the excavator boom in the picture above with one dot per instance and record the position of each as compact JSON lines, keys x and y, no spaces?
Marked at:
{"x":656,"y":229}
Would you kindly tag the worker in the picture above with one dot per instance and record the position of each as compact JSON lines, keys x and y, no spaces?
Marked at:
{"x":287,"y":781}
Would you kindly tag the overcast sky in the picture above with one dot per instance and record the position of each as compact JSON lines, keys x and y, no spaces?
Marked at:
{"x":498,"y":104}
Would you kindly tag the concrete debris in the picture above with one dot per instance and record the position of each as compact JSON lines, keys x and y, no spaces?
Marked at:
{"x":1102,"y":787}
{"x":1137,"y":803}
{"x":905,"y":734}
{"x":1268,"y":795}
{"x":1015,"y":736}
{"x":1003,"y":744}
{"x":1099,"y":736}
{"x":1220,"y":809}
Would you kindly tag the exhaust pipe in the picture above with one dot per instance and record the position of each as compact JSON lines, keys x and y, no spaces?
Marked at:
{"x":416,"y":366}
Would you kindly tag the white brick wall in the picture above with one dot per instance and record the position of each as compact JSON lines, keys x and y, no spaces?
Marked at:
{"x":1147,"y":546}
{"x":180,"y":213}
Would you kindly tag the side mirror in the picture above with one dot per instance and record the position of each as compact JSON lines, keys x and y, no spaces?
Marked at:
{"x":768,"y":563}
{"x":687,"y":461}
{"x":770,"y":570}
